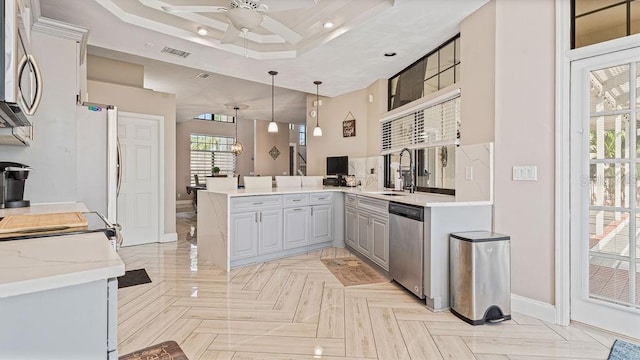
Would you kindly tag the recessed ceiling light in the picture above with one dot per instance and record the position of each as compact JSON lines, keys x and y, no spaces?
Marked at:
{"x":328,"y":25}
{"x":202,"y":31}
{"x":390,"y":54}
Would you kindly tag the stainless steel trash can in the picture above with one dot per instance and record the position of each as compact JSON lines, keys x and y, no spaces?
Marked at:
{"x":480,"y":276}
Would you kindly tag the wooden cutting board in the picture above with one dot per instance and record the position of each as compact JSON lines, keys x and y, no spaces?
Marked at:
{"x":25,"y":224}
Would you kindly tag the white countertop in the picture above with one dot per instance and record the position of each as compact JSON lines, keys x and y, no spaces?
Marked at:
{"x":45,"y":209}
{"x":32,"y":265}
{"x":419,"y":199}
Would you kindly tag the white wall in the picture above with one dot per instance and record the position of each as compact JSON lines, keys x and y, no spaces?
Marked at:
{"x":53,"y":152}
{"x":524,"y":135}
{"x":477,"y":75}
{"x":264,"y":164}
{"x":332,"y":112}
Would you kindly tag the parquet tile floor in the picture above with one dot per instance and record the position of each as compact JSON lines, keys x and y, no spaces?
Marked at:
{"x":294,"y":308}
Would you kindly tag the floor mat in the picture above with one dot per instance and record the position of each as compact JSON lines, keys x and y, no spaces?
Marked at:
{"x":133,"y":277}
{"x":169,"y":350}
{"x":622,"y":350}
{"x":352,"y":271}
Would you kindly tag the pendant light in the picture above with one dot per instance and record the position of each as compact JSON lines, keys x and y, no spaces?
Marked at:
{"x":273,"y":127}
{"x":317,"y":131}
{"x":237,"y":147}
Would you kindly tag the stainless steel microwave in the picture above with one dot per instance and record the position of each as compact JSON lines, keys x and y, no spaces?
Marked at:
{"x":22,"y":79}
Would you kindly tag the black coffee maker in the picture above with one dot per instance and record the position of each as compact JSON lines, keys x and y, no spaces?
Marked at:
{"x":12,"y":178}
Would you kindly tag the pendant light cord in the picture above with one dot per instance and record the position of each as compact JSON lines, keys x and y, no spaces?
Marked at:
{"x":236,"y":121}
{"x":317,"y":103}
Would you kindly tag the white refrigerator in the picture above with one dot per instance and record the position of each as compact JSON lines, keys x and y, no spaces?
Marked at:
{"x":98,"y":164}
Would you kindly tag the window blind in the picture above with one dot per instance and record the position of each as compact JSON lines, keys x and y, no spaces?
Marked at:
{"x":431,"y":123}
{"x":209,"y":151}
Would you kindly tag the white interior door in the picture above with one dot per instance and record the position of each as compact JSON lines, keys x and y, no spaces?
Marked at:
{"x":139,"y":197}
{"x":605,"y":192}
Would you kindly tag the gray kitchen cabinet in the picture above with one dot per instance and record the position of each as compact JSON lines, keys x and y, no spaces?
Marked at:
{"x":244,"y":235}
{"x":367,"y":228}
{"x":307,"y":225}
{"x":269,"y":231}
{"x":255,"y":233}
{"x":296,"y":227}
{"x":256,"y":226}
{"x":351,"y":226}
{"x":321,"y":224}
{"x":379,"y":232}
{"x":363,"y":244}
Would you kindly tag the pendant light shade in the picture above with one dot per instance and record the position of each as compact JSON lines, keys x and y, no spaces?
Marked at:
{"x":317,"y":131}
{"x":273,"y":127}
{"x":237,"y":147}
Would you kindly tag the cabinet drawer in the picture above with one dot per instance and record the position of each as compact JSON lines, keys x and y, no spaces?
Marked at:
{"x":252,"y":203}
{"x":295,"y":199}
{"x":351,"y":200}
{"x":375,"y":205}
{"x":320,"y":198}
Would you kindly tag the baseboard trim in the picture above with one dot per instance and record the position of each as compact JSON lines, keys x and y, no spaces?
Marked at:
{"x":184,"y":202}
{"x":170,"y":237}
{"x":534,"y":308}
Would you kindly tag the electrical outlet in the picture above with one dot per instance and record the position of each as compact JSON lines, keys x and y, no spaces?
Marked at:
{"x":179,"y":194}
{"x":373,"y":171}
{"x":468,"y":173}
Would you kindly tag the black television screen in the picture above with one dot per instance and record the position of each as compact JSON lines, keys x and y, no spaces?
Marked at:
{"x":338,"y":165}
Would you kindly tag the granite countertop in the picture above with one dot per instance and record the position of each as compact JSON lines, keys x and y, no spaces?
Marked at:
{"x":419,"y":199}
{"x":32,"y":265}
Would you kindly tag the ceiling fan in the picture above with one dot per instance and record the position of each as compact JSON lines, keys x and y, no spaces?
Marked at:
{"x":247,"y":15}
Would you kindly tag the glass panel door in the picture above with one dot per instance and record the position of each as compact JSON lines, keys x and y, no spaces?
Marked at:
{"x":605,"y":193}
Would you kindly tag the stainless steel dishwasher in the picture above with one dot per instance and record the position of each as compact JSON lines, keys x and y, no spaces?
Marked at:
{"x":406,"y":246}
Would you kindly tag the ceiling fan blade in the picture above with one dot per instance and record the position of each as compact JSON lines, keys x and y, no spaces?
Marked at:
{"x":231,"y":35}
{"x":193,"y":9}
{"x":280,"y":29}
{"x":283,"y":5}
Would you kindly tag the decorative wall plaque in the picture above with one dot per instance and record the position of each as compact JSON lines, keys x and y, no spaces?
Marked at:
{"x":274,"y":152}
{"x":349,"y":126}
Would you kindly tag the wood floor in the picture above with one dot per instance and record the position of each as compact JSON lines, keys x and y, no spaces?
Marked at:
{"x":295,"y":309}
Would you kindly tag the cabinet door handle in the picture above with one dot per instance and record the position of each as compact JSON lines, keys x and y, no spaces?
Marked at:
{"x":256,"y":217}
{"x":311,"y":211}
{"x":261,"y":216}
{"x":297,"y":209}
{"x":258,"y":203}
{"x":323,"y":198}
{"x":296,"y":200}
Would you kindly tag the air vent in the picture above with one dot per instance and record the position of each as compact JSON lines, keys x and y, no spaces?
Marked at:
{"x":203,"y":75}
{"x":175,"y":52}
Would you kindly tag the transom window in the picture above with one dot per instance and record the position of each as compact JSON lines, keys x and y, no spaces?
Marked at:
{"x":436,"y":70}
{"x":207,"y":152}
{"x":596,"y":21}
{"x":215,"y":117}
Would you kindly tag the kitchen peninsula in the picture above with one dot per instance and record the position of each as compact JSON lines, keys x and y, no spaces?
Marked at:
{"x":55,"y":283}
{"x":239,"y":227}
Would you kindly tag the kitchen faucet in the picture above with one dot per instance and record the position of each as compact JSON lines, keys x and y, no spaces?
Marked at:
{"x":412,"y":180}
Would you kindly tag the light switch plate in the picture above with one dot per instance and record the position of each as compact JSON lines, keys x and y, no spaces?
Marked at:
{"x":525,"y":173}
{"x":468,"y":173}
